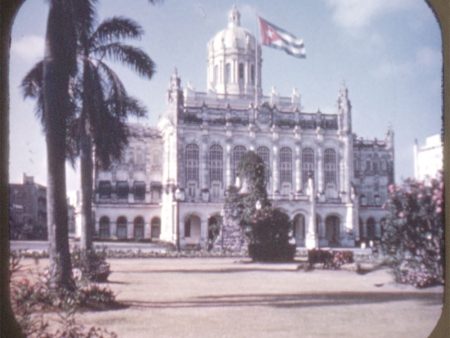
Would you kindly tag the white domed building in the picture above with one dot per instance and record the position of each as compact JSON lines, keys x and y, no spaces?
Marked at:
{"x":172,"y":181}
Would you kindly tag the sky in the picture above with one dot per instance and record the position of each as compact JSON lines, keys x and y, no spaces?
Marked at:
{"x":387,"y":52}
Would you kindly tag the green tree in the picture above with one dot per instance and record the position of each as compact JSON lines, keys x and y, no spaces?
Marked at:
{"x":101,"y":102}
{"x":266,"y":228}
{"x":59,"y":67}
{"x":413,"y":232}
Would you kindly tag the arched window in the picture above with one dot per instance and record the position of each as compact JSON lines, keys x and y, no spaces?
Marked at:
{"x":252,"y":74}
{"x":121,"y":227}
{"x":192,"y":164}
{"x":307,"y":164}
{"x":330,"y":166}
{"x":241,"y":72}
{"x":104,"y":227}
{"x":138,"y":228}
{"x":264,"y":153}
{"x":332,"y":228}
{"x":299,"y":229}
{"x":155,"y":226}
{"x":238,"y":152}
{"x":285,"y":165}
{"x":216,"y":164}
{"x":227,"y":72}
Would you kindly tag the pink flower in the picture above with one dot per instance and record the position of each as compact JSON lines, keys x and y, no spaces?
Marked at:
{"x":401,"y":214}
{"x":391,"y":188}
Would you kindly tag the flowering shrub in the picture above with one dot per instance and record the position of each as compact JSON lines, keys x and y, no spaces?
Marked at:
{"x":330,"y":259}
{"x":32,"y":299}
{"x":413,"y":233}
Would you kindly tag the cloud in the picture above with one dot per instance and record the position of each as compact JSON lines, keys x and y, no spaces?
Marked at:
{"x":360,"y":13}
{"x":29,"y":47}
{"x":426,"y":59}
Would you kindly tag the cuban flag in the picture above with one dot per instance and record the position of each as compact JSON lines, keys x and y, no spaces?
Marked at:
{"x":276,"y":37}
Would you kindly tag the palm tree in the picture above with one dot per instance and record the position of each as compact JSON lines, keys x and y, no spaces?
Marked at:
{"x":59,"y":66}
{"x":101,"y":102}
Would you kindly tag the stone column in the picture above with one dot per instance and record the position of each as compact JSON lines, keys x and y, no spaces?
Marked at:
{"x":228,"y":165}
{"x":204,"y":232}
{"x":275,"y":174}
{"x":311,"y":241}
{"x":320,"y":169}
{"x":298,"y":169}
{"x":130,"y":229}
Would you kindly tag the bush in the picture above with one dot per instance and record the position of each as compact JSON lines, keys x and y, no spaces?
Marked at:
{"x":92,"y":264}
{"x":269,"y":236}
{"x":413,"y":234}
{"x":330,"y":259}
{"x":271,"y":252}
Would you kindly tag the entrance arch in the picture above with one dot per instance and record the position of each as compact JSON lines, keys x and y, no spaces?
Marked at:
{"x":138,"y":228}
{"x":155,"y":228}
{"x":299,"y":229}
{"x":332,"y":228}
{"x":192,"y":227}
{"x":213,"y":229}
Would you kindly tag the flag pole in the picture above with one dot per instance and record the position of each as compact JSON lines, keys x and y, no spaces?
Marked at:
{"x":256,"y":73}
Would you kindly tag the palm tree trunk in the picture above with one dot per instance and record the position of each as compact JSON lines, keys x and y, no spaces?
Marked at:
{"x":58,"y":66}
{"x":86,"y":167}
{"x":8,"y":324}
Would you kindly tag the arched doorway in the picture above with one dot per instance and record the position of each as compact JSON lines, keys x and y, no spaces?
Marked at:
{"x":138,"y":228}
{"x":332,"y":224}
{"x":121,"y":227}
{"x":192,"y":226}
{"x":155,"y":228}
{"x":213,"y":230}
{"x":371,"y":229}
{"x":103,"y":230}
{"x":299,"y":229}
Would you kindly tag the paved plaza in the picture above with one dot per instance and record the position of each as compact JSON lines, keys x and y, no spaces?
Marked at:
{"x":226,"y":297}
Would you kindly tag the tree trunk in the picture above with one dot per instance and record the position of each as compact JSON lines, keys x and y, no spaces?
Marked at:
{"x":86,"y":167}
{"x":8,"y":324}
{"x":57,"y":71}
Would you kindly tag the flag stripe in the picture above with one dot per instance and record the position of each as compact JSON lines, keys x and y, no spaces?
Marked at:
{"x":276,"y":37}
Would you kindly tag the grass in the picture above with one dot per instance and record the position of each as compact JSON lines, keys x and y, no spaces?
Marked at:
{"x":226,"y":297}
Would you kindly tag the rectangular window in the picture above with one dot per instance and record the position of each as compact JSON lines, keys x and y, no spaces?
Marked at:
{"x":104,"y":189}
{"x":122,"y":189}
{"x":191,"y":189}
{"x":139,"y":190}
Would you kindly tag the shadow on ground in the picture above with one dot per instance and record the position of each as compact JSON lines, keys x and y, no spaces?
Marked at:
{"x":293,"y":300}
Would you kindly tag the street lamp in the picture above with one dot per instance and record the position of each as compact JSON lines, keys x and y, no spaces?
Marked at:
{"x":179,"y":196}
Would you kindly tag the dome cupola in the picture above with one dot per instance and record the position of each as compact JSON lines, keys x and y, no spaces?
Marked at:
{"x":234,"y":60}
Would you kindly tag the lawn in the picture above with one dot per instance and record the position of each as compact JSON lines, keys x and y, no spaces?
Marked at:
{"x":229,"y":297}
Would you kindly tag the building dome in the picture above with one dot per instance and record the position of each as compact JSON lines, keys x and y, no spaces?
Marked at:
{"x":231,"y":59}
{"x":234,"y":36}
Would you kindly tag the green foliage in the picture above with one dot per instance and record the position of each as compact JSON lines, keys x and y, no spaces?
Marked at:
{"x":32,"y":299}
{"x":413,"y":234}
{"x":92,"y":264}
{"x":266,"y":228}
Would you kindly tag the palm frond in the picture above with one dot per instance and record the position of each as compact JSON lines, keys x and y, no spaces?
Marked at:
{"x":135,"y":107}
{"x":85,"y":14}
{"x":32,"y":85}
{"x":117,"y":94}
{"x":115,"y":28}
{"x":133,"y":57}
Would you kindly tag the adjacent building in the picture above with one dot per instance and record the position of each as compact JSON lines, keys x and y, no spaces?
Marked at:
{"x":27,"y":209}
{"x":172,"y":180}
{"x":428,"y":158}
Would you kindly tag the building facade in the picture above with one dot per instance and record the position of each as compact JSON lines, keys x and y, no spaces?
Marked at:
{"x":428,"y":158}
{"x":27,"y":209}
{"x":172,"y":180}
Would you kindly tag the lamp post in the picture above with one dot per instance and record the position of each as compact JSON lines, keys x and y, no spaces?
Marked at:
{"x":179,"y":196}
